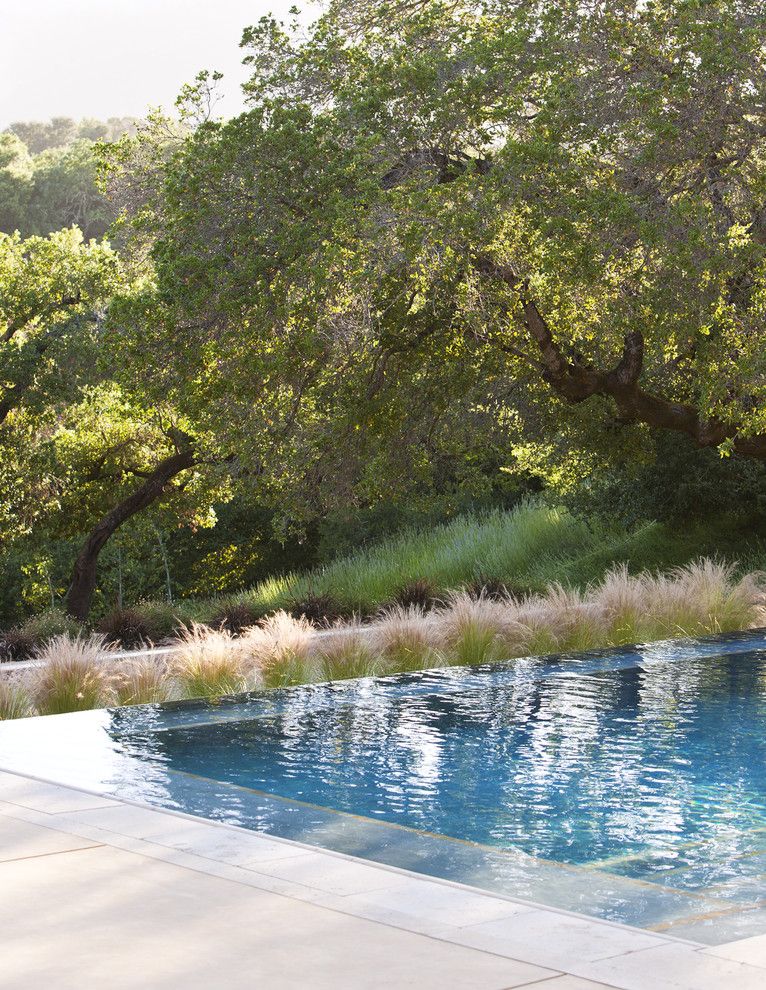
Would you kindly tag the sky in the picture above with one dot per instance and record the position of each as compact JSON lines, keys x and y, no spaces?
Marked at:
{"x":113,"y":58}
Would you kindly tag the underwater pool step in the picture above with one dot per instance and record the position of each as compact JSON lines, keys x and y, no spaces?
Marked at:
{"x":510,"y":872}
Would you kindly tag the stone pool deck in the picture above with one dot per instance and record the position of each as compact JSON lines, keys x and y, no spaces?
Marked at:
{"x":96,"y":892}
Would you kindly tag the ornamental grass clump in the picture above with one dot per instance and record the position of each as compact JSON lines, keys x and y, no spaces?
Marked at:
{"x":141,"y":682}
{"x":15,"y":644}
{"x":405,"y":639}
{"x":475,"y":629}
{"x":701,"y":598}
{"x":346,"y":653}
{"x":73,"y":676}
{"x":623,"y":601}
{"x":127,"y":627}
{"x":564,"y":620}
{"x":234,"y":616}
{"x":15,"y":701}
{"x":281,"y":647}
{"x":210,"y":662}
{"x":536,"y":633}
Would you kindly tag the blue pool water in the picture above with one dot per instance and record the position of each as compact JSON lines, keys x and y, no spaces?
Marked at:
{"x":630,"y":784}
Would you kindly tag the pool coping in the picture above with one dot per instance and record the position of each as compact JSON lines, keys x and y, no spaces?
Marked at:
{"x":561,"y":942}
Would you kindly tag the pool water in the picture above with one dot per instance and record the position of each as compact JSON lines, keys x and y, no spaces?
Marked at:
{"x":629,"y":785}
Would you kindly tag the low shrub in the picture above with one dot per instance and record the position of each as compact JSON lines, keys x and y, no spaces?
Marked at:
{"x":164,"y":620}
{"x":491,"y":588}
{"x":53,"y":622}
{"x":15,"y":644}
{"x":318,"y":609}
{"x":234,"y":617}
{"x":420,"y":594}
{"x":701,"y":598}
{"x":292,"y":669}
{"x":128,"y":627}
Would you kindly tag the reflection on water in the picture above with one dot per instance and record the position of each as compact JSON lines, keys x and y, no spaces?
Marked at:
{"x":568,"y":765}
{"x":635,"y":766}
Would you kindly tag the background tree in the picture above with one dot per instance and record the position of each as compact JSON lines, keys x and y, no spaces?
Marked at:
{"x":48,"y":175}
{"x":53,"y":293}
{"x":78,"y":452}
{"x":59,"y":132}
{"x":15,"y":183}
{"x":451,"y":251}
{"x":580,"y":190}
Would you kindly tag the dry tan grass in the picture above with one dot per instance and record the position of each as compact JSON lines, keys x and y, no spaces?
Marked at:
{"x":562,"y":619}
{"x":346,"y":652}
{"x":281,"y":647}
{"x":141,"y":682}
{"x":475,"y":629}
{"x":210,"y":662}
{"x":73,"y":677}
{"x":702,"y":598}
{"x":406,"y":638}
{"x":15,"y":701}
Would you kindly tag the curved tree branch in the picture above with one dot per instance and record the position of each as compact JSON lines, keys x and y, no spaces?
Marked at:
{"x":83,"y":582}
{"x":576,"y":382}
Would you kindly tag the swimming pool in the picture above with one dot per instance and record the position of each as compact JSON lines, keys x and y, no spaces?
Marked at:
{"x":628,"y":784}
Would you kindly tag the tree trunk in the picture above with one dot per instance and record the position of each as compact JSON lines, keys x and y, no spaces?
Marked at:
{"x":80,"y":593}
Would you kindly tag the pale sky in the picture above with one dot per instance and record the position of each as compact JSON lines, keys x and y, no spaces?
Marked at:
{"x":111,"y":58}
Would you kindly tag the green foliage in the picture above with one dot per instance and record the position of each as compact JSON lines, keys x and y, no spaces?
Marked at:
{"x":380,"y":298}
{"x":39,"y":136}
{"x":52,"y":290}
{"x":527,"y":549}
{"x":521,"y":545}
{"x":15,"y":183}
{"x":673,"y":482}
{"x":53,"y":622}
{"x":48,"y":175}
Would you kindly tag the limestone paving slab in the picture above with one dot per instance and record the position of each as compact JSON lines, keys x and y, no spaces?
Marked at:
{"x":567,"y":982}
{"x":191,"y":834}
{"x":436,"y":904}
{"x":131,"y":922}
{"x":50,"y":798}
{"x":20,"y":840}
{"x":672,"y":967}
{"x":563,"y":940}
{"x":135,"y":878}
{"x":748,"y":950}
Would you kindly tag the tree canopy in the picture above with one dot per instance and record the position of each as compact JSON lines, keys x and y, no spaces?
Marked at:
{"x":560,"y":204}
{"x":447,"y":243}
{"x":48,"y":175}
